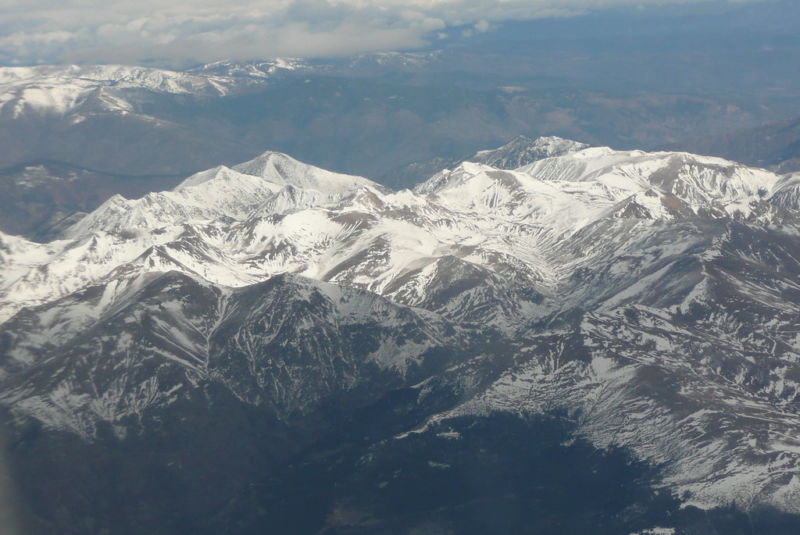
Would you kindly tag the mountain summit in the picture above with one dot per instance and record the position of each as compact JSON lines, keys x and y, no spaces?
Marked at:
{"x":523,"y":150}
{"x":283,"y":170}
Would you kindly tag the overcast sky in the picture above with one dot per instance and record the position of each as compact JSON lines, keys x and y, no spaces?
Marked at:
{"x":192,"y":31}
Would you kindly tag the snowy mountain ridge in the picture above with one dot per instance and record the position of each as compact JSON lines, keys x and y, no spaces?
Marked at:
{"x":66,"y":89}
{"x":513,"y":214}
{"x":523,"y":150}
{"x":628,"y":288}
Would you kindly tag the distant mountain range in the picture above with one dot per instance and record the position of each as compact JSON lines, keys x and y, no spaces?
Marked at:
{"x":386,"y":116}
{"x":274,"y":344}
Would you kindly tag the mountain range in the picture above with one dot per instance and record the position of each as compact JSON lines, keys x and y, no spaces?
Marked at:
{"x":274,"y":344}
{"x":72,"y":136}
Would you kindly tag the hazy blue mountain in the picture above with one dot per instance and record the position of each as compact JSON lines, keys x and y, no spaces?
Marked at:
{"x":775,"y":146}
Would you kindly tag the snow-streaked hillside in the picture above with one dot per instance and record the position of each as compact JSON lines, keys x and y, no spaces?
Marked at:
{"x":652,"y":295}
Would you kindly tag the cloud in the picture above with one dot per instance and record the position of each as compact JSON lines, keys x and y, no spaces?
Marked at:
{"x":186,"y":31}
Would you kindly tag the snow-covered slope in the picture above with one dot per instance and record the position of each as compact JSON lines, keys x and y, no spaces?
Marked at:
{"x":703,"y":183}
{"x":224,"y":193}
{"x":654,"y":295}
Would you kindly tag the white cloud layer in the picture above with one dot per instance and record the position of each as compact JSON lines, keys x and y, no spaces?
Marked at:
{"x":184,"y":31}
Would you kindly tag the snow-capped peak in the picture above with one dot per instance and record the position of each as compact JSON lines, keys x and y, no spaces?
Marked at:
{"x":283,"y":170}
{"x":523,"y":150}
{"x":223,"y":192}
{"x":253,"y":69}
